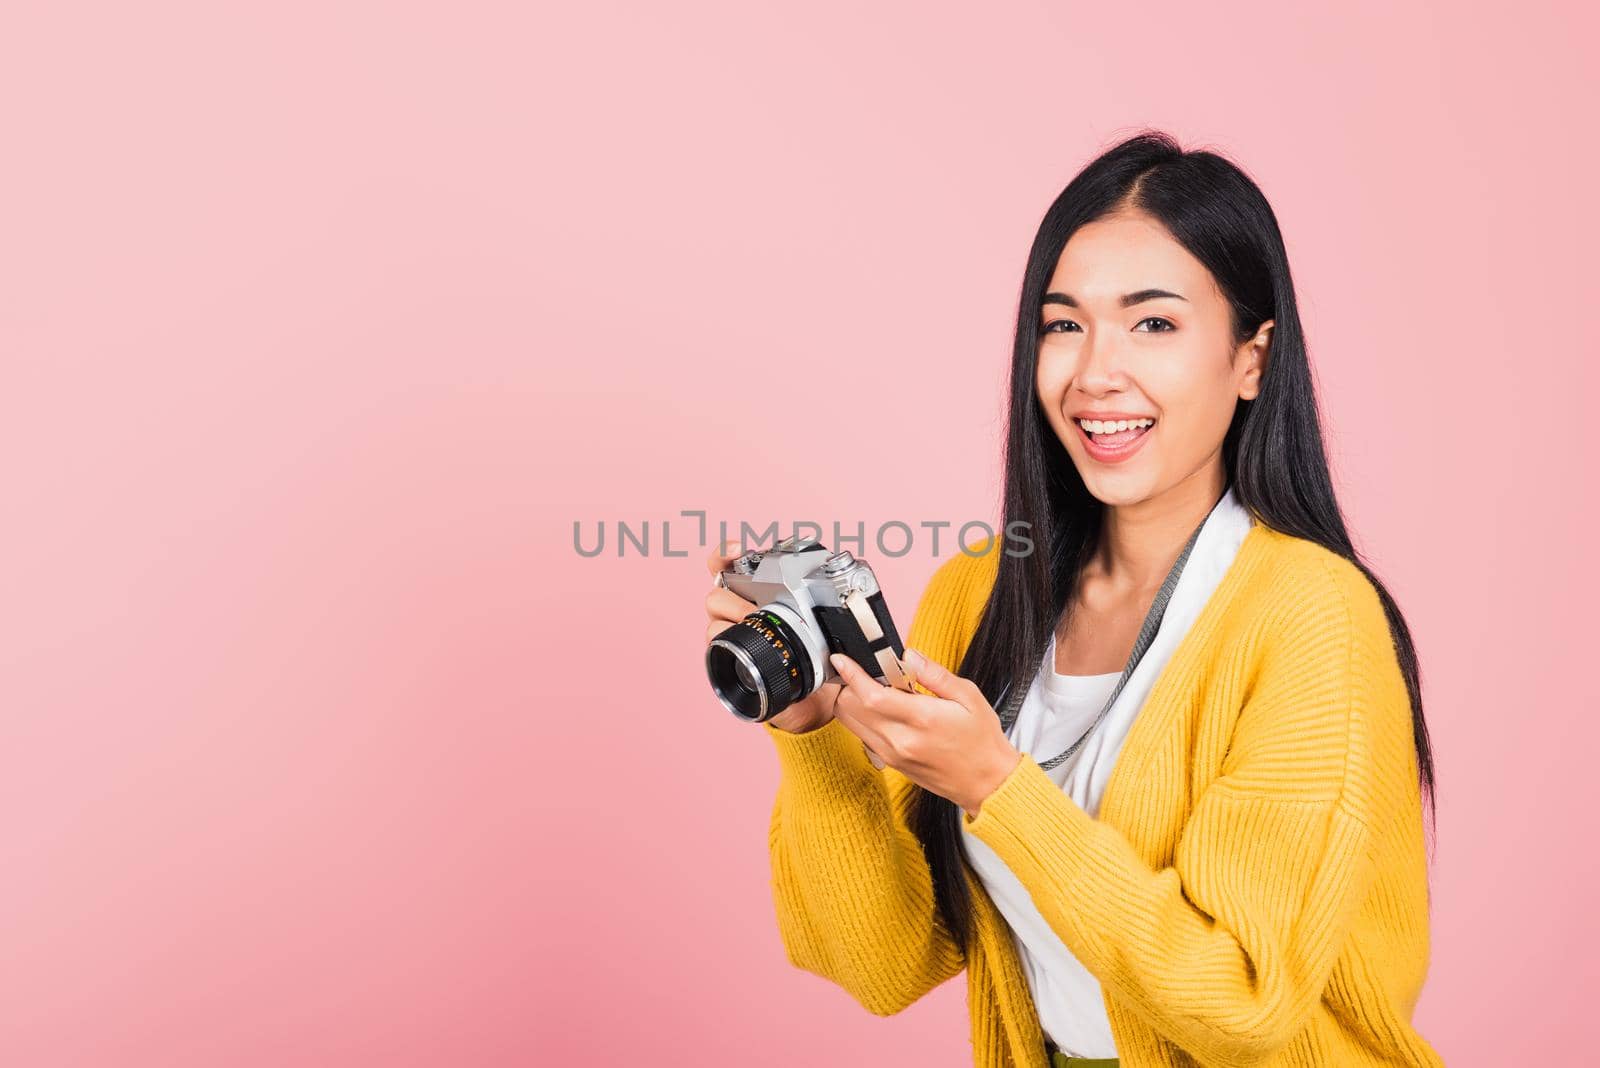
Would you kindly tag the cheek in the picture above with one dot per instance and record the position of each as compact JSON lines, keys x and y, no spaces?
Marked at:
{"x":1197,"y":407}
{"x":1050,"y":378}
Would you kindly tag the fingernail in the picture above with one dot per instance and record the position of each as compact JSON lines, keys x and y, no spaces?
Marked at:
{"x":837,"y":660}
{"x":916,"y":660}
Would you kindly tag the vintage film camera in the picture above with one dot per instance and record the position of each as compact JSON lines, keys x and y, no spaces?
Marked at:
{"x":810,"y":603}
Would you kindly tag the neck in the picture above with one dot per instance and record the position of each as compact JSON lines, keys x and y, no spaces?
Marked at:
{"x":1139,"y":542}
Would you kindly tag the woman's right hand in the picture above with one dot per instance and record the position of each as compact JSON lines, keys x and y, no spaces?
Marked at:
{"x":724,"y":608}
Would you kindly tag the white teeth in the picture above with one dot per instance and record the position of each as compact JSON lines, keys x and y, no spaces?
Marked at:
{"x":1095,"y":426}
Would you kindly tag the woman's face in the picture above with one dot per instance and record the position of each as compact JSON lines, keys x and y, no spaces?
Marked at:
{"x":1133,"y":326}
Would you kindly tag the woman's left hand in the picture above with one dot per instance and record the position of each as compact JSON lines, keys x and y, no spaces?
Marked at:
{"x":950,"y":743}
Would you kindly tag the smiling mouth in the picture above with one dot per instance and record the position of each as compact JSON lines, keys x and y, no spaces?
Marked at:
{"x":1108,"y":437}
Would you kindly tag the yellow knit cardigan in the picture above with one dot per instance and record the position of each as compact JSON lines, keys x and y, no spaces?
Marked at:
{"x":1254,"y":889}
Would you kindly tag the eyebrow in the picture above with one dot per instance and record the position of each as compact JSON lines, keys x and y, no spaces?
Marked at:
{"x":1128,"y":300}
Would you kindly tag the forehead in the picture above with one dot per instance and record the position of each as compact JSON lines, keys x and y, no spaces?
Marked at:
{"x":1123,"y":253}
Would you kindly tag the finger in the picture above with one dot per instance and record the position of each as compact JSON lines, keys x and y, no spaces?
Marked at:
{"x":940,"y":680}
{"x":718,"y":560}
{"x":878,"y":702}
{"x":725,"y":604}
{"x":854,"y":679}
{"x":848,"y":711}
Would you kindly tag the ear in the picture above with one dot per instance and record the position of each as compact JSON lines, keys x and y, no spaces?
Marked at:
{"x":1256,"y":352}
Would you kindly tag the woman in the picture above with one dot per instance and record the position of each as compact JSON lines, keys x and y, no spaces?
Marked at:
{"x":1168,"y":807}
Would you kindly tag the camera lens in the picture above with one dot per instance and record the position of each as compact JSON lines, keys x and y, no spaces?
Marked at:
{"x":747,"y":681}
{"x":759,"y":666}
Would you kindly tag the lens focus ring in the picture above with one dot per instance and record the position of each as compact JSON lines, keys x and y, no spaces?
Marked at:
{"x":782,"y":666}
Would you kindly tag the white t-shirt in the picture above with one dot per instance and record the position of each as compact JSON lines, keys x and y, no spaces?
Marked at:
{"x":1054,"y":713}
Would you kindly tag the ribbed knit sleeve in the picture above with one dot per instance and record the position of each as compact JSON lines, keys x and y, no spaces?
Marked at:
{"x":1228,"y":951}
{"x":852,"y":888}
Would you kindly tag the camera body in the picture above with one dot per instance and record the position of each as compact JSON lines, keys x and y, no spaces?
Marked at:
{"x":810,"y":603}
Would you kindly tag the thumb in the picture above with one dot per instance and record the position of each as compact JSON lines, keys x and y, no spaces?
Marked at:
{"x":932,"y":675}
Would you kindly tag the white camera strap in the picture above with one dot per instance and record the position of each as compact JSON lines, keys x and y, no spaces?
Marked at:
{"x":891,"y":670}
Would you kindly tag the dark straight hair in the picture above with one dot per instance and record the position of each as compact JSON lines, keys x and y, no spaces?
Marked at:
{"x":1272,"y":453}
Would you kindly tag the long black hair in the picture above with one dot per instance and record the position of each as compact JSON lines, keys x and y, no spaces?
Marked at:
{"x":1272,"y":454}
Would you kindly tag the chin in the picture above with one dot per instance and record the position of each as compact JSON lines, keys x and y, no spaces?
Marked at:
{"x":1117,"y":500}
{"x":1118,"y":489}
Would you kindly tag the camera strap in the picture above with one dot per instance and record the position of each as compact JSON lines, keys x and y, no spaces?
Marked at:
{"x":1012,"y":704}
{"x":891,"y":670}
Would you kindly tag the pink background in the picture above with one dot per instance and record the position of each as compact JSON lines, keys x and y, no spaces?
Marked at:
{"x":323,"y":324}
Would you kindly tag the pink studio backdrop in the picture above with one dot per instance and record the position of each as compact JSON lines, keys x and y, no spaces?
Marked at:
{"x":322,"y":324}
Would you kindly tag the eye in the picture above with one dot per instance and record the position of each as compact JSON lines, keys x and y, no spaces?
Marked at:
{"x":1050,"y":327}
{"x":1166,"y":325}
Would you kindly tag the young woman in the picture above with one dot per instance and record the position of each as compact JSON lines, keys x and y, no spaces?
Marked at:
{"x":1161,"y":790}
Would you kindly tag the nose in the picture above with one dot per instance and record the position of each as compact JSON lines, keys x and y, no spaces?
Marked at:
{"x":1100,"y":366}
